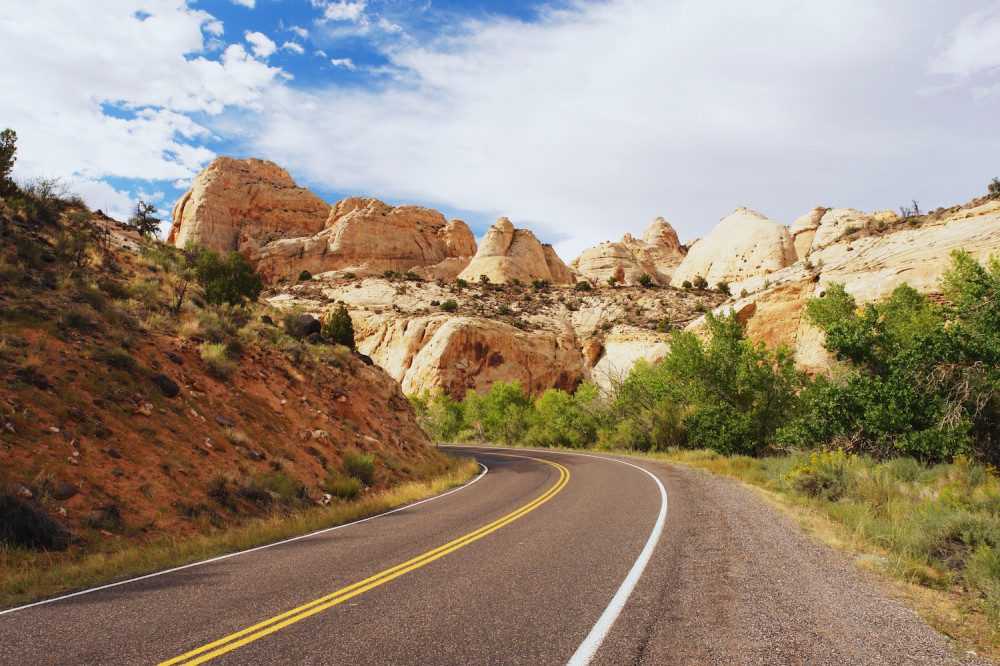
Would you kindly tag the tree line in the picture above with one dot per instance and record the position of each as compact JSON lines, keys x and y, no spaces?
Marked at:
{"x":911,"y":377}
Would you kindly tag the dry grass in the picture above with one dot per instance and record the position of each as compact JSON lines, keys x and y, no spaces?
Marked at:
{"x":27,"y":576}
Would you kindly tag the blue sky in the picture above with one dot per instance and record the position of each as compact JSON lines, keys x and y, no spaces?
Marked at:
{"x":579,"y":119}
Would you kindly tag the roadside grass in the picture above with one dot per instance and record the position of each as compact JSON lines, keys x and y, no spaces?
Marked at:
{"x":933,"y":530}
{"x":29,"y":575}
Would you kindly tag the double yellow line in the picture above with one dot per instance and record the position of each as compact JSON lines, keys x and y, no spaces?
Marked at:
{"x":278,"y":622}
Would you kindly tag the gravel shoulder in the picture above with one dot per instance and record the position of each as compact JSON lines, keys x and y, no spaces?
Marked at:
{"x":735,"y":581}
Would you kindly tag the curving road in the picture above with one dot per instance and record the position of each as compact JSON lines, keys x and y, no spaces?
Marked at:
{"x":524,"y":566}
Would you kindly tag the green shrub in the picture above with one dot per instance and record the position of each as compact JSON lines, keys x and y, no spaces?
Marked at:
{"x":232,"y":281}
{"x":344,"y":487}
{"x":449,"y":306}
{"x":119,"y":358}
{"x":503,"y":310}
{"x":539,"y":285}
{"x":993,"y":188}
{"x":216,"y":356}
{"x":583,"y":285}
{"x":361,"y":466}
{"x":8,"y":148}
{"x":645,"y":280}
{"x":339,"y":328}
{"x":724,"y":288}
{"x":699,"y":283}
{"x":305,"y":275}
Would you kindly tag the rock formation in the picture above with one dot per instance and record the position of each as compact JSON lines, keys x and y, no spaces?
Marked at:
{"x":507,"y":253}
{"x":250,"y":198}
{"x":743,"y":245}
{"x":370,"y":236}
{"x":255,"y":207}
{"x":870,"y":265}
{"x":657,"y":254}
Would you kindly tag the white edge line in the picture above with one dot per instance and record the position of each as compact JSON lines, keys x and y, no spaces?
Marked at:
{"x":588,"y":648}
{"x":249,"y":550}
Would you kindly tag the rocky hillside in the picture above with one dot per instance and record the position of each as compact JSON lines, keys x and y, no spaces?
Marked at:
{"x":131,"y":407}
{"x":435,"y":310}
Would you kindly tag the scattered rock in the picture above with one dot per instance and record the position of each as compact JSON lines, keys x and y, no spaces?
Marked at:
{"x":223,"y":421}
{"x":76,"y":414}
{"x":166,"y":385}
{"x":175,"y":359}
{"x":118,"y":471}
{"x":266,"y":319}
{"x":367,"y":360}
{"x":64,"y":491}
{"x":113,"y":452}
{"x":145,"y":409}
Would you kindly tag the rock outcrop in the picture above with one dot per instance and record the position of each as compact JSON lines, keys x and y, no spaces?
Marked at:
{"x":743,"y":245}
{"x":255,"y":207}
{"x":869,"y":265}
{"x":369,"y":236}
{"x":657,"y":254}
{"x":507,"y":253}
{"x":247,"y":199}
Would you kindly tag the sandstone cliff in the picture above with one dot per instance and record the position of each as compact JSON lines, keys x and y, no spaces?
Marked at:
{"x":255,"y":207}
{"x":507,"y":253}
{"x":743,"y":245}
{"x":544,"y":338}
{"x":657,"y":254}
{"x":369,"y":236}
{"x":870,"y":257}
{"x":229,"y":200}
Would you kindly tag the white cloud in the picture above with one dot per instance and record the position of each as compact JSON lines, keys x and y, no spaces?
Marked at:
{"x":970,"y":55}
{"x":260,"y":44}
{"x":344,"y":11}
{"x":598,"y":119}
{"x":293,"y":47}
{"x":245,"y":3}
{"x":301,"y":32}
{"x":342,"y":62}
{"x":112,"y":95}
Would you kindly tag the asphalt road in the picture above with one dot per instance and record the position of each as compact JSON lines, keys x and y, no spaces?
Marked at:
{"x":519,"y":567}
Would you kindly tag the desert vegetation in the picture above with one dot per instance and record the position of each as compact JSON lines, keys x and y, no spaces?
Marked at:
{"x":898,"y":444}
{"x":152,"y":411}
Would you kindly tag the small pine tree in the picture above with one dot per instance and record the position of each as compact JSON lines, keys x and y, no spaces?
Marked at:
{"x":338,"y":327}
{"x":143,"y":220}
{"x":8,"y":147}
{"x":994,"y":186}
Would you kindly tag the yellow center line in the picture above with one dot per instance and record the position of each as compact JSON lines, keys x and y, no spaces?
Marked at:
{"x":250,"y":634}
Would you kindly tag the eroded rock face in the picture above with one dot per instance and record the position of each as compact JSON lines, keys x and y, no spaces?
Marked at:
{"x":507,"y":253}
{"x":369,"y":236}
{"x":743,"y":245}
{"x":869,"y":266}
{"x":255,"y":207}
{"x":657,"y":254}
{"x":252,"y":199}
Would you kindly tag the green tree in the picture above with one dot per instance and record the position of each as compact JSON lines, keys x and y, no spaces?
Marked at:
{"x":143,"y":218}
{"x":440,"y":416}
{"x":501,"y":415}
{"x":339,"y":327}
{"x":8,"y":149}
{"x":736,"y":391}
{"x":231,"y":281}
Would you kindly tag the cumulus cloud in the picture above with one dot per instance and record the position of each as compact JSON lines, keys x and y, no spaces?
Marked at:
{"x":115,"y":93}
{"x":260,"y":44}
{"x":971,"y":53}
{"x":342,"y":62}
{"x":344,"y":11}
{"x":596,"y":119}
{"x":245,"y":3}
{"x":293,"y":47}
